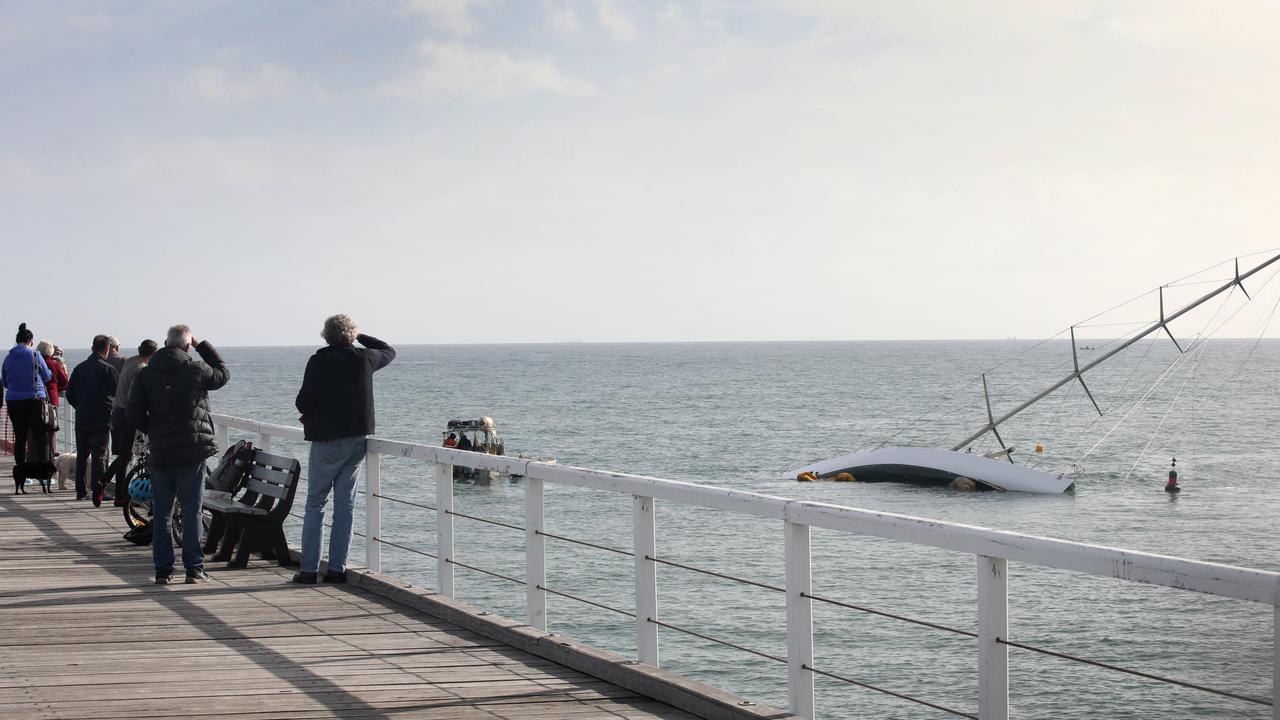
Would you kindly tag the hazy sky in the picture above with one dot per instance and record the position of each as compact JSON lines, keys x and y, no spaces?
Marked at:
{"x":606,"y":170}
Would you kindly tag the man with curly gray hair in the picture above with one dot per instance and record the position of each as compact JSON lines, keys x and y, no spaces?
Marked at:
{"x":336,"y":402}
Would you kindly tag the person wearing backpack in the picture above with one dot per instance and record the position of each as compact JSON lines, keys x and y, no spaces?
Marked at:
{"x":336,"y":402}
{"x":169,"y":401}
{"x":23,"y":376}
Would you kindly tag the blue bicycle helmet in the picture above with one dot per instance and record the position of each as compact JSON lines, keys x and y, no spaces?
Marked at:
{"x":140,"y":489}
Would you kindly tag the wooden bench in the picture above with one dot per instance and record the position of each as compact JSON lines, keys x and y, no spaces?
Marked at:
{"x":253,"y":520}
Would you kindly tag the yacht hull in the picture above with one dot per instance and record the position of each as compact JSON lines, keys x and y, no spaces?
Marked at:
{"x":934,"y":466}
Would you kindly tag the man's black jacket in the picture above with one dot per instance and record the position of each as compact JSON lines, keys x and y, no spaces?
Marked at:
{"x":336,"y":399}
{"x":170,"y":402}
{"x":90,"y":391}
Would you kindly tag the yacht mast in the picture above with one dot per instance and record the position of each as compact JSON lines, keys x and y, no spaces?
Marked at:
{"x":1162,"y":324}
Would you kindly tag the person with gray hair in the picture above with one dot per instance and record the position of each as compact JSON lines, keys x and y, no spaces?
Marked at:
{"x":114,"y":358}
{"x":169,"y":400}
{"x":56,"y":386}
{"x":336,"y":402}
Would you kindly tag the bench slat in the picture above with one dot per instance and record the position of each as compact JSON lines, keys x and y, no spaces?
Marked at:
{"x":271,"y":475}
{"x":265,"y":488}
{"x":238,"y":509}
{"x":261,"y":457}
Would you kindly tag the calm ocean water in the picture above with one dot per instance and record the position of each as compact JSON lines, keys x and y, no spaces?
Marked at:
{"x":739,"y":415}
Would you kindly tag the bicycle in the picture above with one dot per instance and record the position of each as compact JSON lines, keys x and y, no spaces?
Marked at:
{"x":138,"y":513}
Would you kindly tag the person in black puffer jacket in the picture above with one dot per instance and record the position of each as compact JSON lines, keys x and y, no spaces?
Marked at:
{"x":169,"y":401}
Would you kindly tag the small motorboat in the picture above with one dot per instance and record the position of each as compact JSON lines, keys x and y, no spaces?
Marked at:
{"x":476,"y":436}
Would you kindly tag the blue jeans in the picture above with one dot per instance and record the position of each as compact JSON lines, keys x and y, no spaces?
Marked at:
{"x":331,"y":466}
{"x":187,"y":484}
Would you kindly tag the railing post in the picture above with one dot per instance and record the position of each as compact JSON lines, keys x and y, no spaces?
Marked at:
{"x":993,"y":626}
{"x":644,"y":545}
{"x":444,"y":527}
{"x":264,"y":441}
{"x":65,"y":408}
{"x":1275,"y":664}
{"x":372,"y":510}
{"x":799,"y":580}
{"x":221,"y":437}
{"x":535,"y":554}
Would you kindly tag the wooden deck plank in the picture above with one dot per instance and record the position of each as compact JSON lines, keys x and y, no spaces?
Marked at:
{"x":89,"y":635}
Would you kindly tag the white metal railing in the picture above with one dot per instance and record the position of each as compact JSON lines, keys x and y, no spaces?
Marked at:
{"x":993,"y":549}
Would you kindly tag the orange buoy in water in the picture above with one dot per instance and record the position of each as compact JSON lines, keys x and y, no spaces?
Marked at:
{"x":845,"y":477}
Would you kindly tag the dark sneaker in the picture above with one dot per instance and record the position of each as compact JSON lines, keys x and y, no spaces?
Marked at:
{"x":197,"y":576}
{"x":335,"y":577}
{"x":163,"y":578}
{"x":305,"y":578}
{"x":97,"y":497}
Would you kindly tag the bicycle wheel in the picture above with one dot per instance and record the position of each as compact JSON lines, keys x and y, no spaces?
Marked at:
{"x":136,"y":513}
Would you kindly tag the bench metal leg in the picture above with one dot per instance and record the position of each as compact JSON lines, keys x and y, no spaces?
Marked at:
{"x":283,"y":558}
{"x":217,"y":528}
{"x":248,"y":539}
{"x":232,"y":537}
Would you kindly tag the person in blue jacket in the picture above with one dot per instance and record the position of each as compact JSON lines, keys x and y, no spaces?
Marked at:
{"x":22,"y":366}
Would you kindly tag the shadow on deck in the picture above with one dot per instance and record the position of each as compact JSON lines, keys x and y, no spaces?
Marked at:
{"x":88,"y":635}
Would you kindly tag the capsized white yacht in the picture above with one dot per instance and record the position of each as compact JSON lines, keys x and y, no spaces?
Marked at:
{"x":959,"y":467}
{"x":935,"y":466}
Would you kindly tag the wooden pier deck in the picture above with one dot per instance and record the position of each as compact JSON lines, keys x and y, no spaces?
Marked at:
{"x":87,"y":634}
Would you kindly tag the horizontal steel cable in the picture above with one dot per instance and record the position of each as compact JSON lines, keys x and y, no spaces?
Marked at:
{"x":485,"y":520}
{"x":713,"y":573}
{"x":708,"y":638}
{"x":404,"y":502}
{"x":851,"y":681}
{"x":482,"y":571}
{"x":585,"y":601}
{"x":1138,"y":673}
{"x":881,"y":613}
{"x":402,"y":547}
{"x":553,"y":536}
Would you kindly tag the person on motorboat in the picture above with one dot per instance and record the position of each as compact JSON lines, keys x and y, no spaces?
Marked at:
{"x":451,"y":441}
{"x":465,"y":443}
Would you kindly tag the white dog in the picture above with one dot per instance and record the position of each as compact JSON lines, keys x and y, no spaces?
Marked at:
{"x":66,"y":465}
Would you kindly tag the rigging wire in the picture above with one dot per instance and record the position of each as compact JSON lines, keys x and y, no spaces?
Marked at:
{"x":1257,"y":341}
{"x":965,"y":405}
{"x":1158,"y":382}
{"x":1201,"y":340}
{"x":1194,"y":362}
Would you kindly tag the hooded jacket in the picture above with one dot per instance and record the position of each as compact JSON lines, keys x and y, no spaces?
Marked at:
{"x":169,"y":401}
{"x":336,"y":399}
{"x":19,"y":376}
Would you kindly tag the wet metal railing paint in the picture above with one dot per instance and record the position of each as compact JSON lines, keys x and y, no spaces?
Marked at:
{"x":993,"y":549}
